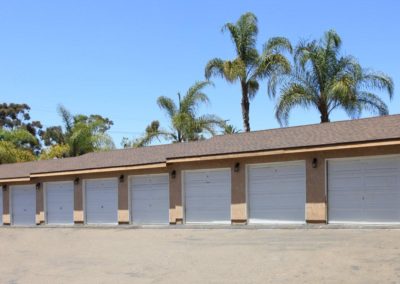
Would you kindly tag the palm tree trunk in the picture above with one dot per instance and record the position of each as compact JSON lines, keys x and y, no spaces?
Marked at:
{"x":323,"y":110}
{"x":245,"y":107}
{"x":325,"y":117}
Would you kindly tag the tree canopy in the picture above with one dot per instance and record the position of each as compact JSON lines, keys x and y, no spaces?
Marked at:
{"x":249,"y":66}
{"x":185,"y":123}
{"x":16,"y":145}
{"x":79,"y":135}
{"x":324,"y":79}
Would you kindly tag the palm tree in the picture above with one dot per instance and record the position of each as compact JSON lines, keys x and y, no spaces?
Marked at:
{"x":229,"y":129}
{"x":249,"y":67}
{"x":186,"y":125}
{"x":81,"y":134}
{"x":325,"y":80}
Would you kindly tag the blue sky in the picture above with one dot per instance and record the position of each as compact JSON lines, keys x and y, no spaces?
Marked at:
{"x":115,"y":58}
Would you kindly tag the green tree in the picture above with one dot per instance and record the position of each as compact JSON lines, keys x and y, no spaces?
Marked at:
{"x":325,"y":80}
{"x":56,"y":151}
{"x":249,"y":67}
{"x":15,"y":145}
{"x":185,"y":123}
{"x":79,"y":135}
{"x":16,"y":116}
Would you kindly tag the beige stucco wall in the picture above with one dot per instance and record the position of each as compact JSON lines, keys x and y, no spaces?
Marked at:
{"x":316,"y":200}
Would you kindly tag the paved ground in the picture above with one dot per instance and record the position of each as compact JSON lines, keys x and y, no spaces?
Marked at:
{"x":126,"y":255}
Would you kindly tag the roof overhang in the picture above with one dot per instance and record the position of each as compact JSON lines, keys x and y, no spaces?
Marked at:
{"x":11,"y":180}
{"x":99,"y":170}
{"x":283,"y":152}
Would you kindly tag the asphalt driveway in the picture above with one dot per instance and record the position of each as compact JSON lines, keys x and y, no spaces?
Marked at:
{"x":126,"y":255}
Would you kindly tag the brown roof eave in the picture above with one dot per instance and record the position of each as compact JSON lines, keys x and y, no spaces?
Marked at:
{"x":14,"y":179}
{"x":98,"y":170}
{"x":282,"y":151}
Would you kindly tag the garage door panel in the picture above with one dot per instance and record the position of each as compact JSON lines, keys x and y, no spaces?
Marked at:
{"x":259,"y":174}
{"x":150,"y":199}
{"x":207,"y":196}
{"x":349,"y":165}
{"x":383,"y":215}
{"x":207,"y":215}
{"x":202,"y":194}
{"x":59,"y":203}
{"x":380,"y":181}
{"x":346,"y":182}
{"x":348,"y":215}
{"x":373,"y":198}
{"x":202,"y":205}
{"x":156,"y":195}
{"x":279,"y":196}
{"x":382,"y":164}
{"x":101,"y":201}
{"x":23,"y":203}
{"x":346,"y":200}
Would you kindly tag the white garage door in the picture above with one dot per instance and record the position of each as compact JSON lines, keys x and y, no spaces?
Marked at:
{"x":277,"y":193}
{"x":23,"y":205}
{"x":1,"y":206}
{"x":150,"y":199}
{"x":101,"y":201}
{"x":59,"y":202}
{"x":208,"y":196}
{"x":365,"y":190}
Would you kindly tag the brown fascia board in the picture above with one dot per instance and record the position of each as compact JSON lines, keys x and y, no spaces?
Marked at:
{"x":99,"y":170}
{"x":295,"y":150}
{"x":12,"y":180}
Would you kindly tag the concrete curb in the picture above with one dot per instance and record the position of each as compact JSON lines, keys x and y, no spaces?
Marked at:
{"x":215,"y":227}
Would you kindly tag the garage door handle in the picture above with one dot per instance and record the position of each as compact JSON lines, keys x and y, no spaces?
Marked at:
{"x":102,"y":206}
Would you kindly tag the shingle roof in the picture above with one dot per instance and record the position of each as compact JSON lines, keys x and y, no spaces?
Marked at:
{"x":342,"y":132}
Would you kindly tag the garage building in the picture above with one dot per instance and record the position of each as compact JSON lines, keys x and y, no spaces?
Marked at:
{"x":345,"y":172}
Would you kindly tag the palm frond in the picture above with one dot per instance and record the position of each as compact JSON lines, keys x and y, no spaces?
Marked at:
{"x":292,"y":95}
{"x":214,"y":67}
{"x":168,"y":105}
{"x":369,"y":102}
{"x":253,"y":87}
{"x":67,"y":118}
{"x":244,"y":34}
{"x":277,"y":45}
{"x":194,"y":97}
{"x":379,"y":81}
